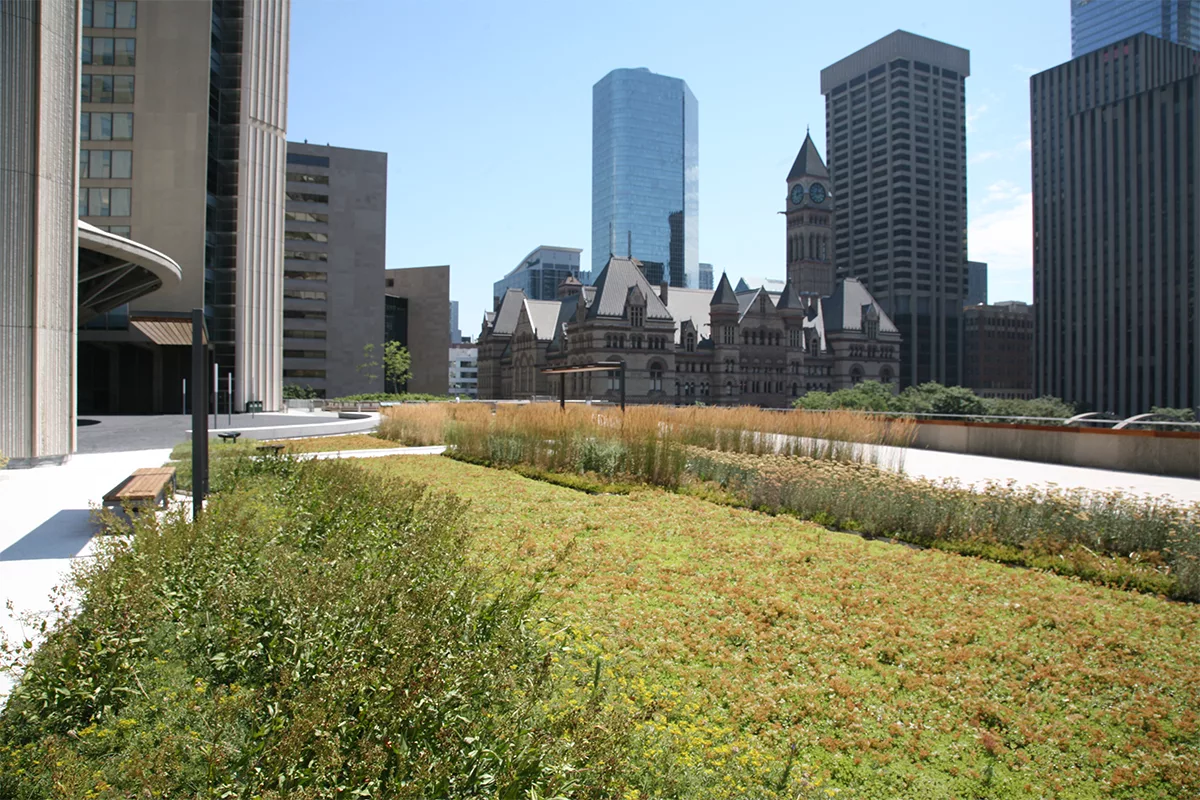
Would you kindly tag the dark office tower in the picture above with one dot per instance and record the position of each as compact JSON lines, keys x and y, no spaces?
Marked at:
{"x":895,"y":118}
{"x":1116,"y":227}
{"x":1096,"y":23}
{"x":645,"y":174}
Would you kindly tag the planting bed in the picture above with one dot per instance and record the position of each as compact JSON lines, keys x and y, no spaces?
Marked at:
{"x":750,"y":645}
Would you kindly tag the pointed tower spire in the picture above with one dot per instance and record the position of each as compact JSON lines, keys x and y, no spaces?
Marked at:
{"x":808,"y":162}
{"x":724,"y":295}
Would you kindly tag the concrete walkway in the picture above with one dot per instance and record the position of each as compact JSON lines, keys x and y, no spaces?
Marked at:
{"x":125,"y":433}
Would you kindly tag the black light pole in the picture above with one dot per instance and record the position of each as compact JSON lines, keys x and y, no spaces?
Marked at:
{"x":199,"y":413}
{"x":562,"y":390}
{"x":622,"y":386}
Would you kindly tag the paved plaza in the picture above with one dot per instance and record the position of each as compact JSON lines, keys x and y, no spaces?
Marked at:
{"x":122,"y":434}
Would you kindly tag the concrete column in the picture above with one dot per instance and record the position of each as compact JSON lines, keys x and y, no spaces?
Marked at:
{"x":39,"y":122}
{"x":263,"y":150}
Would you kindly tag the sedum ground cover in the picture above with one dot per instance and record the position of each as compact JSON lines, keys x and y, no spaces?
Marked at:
{"x":755,"y":649}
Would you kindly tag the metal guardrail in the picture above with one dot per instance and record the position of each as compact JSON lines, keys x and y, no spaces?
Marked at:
{"x":1079,"y":420}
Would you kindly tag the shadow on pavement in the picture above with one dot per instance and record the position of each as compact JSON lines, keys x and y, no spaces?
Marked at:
{"x":62,"y":536}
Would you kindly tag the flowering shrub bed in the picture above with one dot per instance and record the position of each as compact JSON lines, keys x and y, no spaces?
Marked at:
{"x":751,"y":648}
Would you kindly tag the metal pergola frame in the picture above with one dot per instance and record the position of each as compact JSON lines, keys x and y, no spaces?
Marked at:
{"x":598,"y":366}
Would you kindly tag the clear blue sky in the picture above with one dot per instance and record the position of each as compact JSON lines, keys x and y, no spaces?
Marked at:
{"x":484,"y":110}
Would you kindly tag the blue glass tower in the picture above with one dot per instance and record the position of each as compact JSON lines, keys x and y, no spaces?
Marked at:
{"x":1096,"y":23}
{"x":646,"y":175}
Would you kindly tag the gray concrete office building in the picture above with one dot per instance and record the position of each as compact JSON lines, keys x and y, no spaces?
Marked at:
{"x":334,"y":248}
{"x":181,"y":146}
{"x":417,"y":315}
{"x":1116,"y":227}
{"x":895,"y":122}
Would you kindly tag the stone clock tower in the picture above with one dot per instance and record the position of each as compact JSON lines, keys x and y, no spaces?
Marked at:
{"x":810,"y":224}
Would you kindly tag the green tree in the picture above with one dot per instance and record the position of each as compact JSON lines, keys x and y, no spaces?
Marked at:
{"x":369,"y":368}
{"x":293,"y":392}
{"x":866,"y":396}
{"x":934,"y":398}
{"x":1046,"y":406}
{"x":1174,"y":414}
{"x":397,"y":366}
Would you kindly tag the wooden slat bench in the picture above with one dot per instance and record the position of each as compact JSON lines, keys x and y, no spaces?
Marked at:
{"x":145,"y":487}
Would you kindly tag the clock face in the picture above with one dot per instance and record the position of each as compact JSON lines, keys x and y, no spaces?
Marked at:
{"x":797,"y":194}
{"x":817,"y":193}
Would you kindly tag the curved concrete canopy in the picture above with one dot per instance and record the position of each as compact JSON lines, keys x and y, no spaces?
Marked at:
{"x":114,"y":270}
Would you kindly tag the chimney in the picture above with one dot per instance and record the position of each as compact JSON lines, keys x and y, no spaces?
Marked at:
{"x":662,"y":291}
{"x":629,"y":235}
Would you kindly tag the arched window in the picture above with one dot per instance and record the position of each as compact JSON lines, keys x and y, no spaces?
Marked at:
{"x":690,"y":342}
{"x":856,"y":374}
{"x":885,"y":375}
{"x":795,"y":390}
{"x":656,"y":376}
{"x":728,"y":388}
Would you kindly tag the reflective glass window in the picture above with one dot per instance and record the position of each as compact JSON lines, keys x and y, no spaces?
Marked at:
{"x":125,"y":52}
{"x":103,"y":13}
{"x":85,"y":50}
{"x":101,"y":164}
{"x":122,"y":163}
{"x":122,"y":88}
{"x":102,"y":126}
{"x":120,"y":202}
{"x":101,"y":89}
{"x":87,"y":13}
{"x":98,"y":202}
{"x":102,"y":51}
{"x":126,"y":16}
{"x":83,"y":163}
{"x":85,"y":126}
{"x":122,"y":126}
{"x":119,"y":230}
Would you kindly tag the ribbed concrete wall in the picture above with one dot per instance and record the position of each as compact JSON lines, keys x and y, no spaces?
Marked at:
{"x":263,"y":151}
{"x":38,"y":125}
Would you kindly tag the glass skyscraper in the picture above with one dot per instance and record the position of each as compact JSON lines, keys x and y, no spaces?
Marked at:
{"x":540,"y":273}
{"x":1096,"y":23}
{"x":646,"y":175}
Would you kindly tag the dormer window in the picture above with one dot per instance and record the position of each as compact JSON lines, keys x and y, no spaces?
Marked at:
{"x":762,"y":304}
{"x":689,"y":342}
{"x":871,"y":327}
{"x":637,"y":316}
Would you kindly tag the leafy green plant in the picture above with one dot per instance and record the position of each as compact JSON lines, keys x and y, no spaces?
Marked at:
{"x":319,"y":632}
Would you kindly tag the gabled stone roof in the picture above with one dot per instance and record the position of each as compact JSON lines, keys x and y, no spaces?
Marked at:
{"x":808,"y":162}
{"x":612,"y":288}
{"x":689,"y":304}
{"x":843,"y":310}
{"x":542,"y":316}
{"x":510,"y":310}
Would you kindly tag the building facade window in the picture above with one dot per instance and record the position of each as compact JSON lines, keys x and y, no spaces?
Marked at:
{"x":304,"y":177}
{"x":306,"y":236}
{"x":304,"y":294}
{"x":305,"y":255}
{"x":299,"y":334}
{"x":304,"y":197}
{"x":104,"y":126}
{"x":109,"y":13}
{"x":106,"y":164}
{"x":98,"y":201}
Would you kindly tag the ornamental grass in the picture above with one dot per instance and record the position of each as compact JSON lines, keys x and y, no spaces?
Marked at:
{"x":1114,"y":538}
